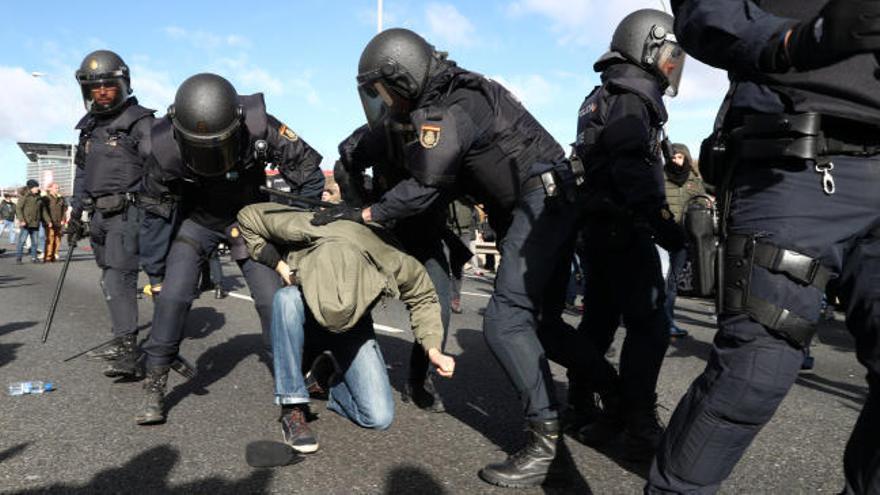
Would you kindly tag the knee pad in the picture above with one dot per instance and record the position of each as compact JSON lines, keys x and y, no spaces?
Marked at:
{"x":741,"y":254}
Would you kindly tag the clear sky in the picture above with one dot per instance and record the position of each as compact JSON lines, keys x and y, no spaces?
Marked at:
{"x":303,"y":55}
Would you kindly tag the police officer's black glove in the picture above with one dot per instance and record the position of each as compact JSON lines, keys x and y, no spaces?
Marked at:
{"x":338,"y":212}
{"x":668,"y":234}
{"x":74,"y":230}
{"x":843,"y":28}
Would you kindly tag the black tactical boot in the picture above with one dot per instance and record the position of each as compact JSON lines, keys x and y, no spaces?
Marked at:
{"x":126,"y":365}
{"x":607,"y":426}
{"x":113,"y":350}
{"x":642,"y":434}
{"x":581,"y":412}
{"x":219,"y":293}
{"x":423,"y":394}
{"x":531,"y":465}
{"x":152,"y":410}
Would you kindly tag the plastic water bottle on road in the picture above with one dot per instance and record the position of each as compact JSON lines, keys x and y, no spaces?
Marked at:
{"x":34,"y":387}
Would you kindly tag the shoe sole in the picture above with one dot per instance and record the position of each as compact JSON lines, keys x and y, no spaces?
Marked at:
{"x":115,"y":373}
{"x":525,"y":483}
{"x":305,"y":449}
{"x":149,"y":420}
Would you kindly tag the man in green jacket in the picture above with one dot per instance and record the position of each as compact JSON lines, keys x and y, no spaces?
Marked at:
{"x":29,"y":212}
{"x":341,"y":270}
{"x":682,"y":185}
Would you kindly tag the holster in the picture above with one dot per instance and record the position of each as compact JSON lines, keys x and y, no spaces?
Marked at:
{"x":111,"y":203}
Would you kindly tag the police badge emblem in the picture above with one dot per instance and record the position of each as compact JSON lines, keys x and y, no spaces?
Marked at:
{"x":93,"y":64}
{"x":288,"y":133}
{"x":429,"y":136}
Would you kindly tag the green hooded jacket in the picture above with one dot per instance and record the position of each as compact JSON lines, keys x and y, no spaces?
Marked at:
{"x":344,"y":268}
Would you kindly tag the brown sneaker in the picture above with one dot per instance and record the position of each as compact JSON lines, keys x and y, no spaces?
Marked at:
{"x":296,"y":431}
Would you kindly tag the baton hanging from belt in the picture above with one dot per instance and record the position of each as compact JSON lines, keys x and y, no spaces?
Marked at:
{"x":295,"y":197}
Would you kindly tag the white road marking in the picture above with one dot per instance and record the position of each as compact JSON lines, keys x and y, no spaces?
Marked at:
{"x":386,"y":328}
{"x":240,"y":296}
{"x":478,"y":294}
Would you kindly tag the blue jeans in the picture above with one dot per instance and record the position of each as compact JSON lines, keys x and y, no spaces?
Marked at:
{"x":10,"y":226}
{"x":22,"y":238}
{"x":677,"y":260}
{"x":363,"y":395}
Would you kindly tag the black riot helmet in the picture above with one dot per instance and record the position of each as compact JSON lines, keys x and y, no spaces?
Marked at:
{"x":645,"y":38}
{"x":103,"y":68}
{"x":392,"y":73}
{"x":207,"y":119}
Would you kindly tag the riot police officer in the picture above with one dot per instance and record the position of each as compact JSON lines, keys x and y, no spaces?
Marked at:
{"x":421,"y":236}
{"x":619,"y":138}
{"x":795,"y":156}
{"x":208,"y":161}
{"x":113,"y":145}
{"x":470,"y":135}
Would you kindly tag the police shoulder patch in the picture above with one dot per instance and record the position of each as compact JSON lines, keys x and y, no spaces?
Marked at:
{"x":287,"y":133}
{"x":429,"y":135}
{"x":234,"y":233}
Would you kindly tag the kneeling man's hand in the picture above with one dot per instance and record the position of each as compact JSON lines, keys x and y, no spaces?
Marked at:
{"x":445,"y":364}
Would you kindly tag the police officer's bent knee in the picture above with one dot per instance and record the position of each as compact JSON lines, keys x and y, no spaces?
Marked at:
{"x":800,"y":191}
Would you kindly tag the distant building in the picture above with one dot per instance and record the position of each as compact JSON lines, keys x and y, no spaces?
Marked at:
{"x":48,"y":162}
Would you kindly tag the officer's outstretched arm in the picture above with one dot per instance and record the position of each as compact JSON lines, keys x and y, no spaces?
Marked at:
{"x":298,"y":162}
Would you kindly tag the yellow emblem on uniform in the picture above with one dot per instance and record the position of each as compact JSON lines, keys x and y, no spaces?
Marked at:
{"x":234,"y":232}
{"x":93,"y":64}
{"x":429,"y":135}
{"x":288,"y":133}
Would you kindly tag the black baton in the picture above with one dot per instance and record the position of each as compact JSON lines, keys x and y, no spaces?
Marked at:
{"x":294,"y":197}
{"x":57,"y":294}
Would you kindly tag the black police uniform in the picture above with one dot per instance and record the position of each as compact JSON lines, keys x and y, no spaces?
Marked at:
{"x":207,"y":209}
{"x":788,"y":232}
{"x":473,"y":137}
{"x":420,"y":235}
{"x":109,"y":168}
{"x":618,"y":137}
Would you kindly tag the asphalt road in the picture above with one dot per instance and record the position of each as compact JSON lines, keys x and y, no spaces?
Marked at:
{"x":82,"y":438}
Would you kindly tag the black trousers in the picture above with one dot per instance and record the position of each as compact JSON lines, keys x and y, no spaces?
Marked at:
{"x":523,"y":323}
{"x":626,"y":283}
{"x":750,"y":370}
{"x":191,"y":248}
{"x":114,"y":240}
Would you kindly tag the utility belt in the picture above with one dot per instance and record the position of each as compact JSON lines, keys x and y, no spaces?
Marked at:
{"x":560,"y":181}
{"x":110,"y":204}
{"x":804,"y":136}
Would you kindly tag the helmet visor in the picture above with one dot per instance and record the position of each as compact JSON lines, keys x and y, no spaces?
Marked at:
{"x":375,"y":107}
{"x":209,"y":155}
{"x":670,"y":65}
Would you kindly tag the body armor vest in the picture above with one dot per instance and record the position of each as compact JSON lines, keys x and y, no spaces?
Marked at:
{"x":108,"y":153}
{"x":498,"y":163}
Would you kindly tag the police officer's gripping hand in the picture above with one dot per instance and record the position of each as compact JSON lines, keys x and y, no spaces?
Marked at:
{"x":338,"y":212}
{"x":667,"y":232}
{"x":74,"y":230}
{"x":843,"y":28}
